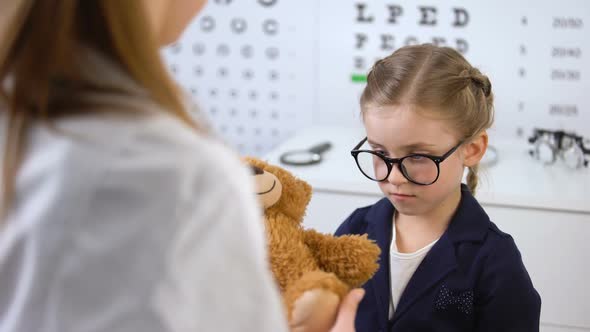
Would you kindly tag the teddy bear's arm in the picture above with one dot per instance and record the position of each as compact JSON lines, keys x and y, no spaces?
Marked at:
{"x":353,"y":258}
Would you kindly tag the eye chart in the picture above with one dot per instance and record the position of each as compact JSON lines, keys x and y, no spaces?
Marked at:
{"x":533,"y":53}
{"x":249,"y":67}
{"x":260,"y":70}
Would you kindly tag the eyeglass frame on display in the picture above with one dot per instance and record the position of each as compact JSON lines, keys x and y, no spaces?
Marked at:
{"x":554,"y":141}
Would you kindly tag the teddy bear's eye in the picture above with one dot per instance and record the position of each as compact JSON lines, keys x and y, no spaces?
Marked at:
{"x":256,"y":170}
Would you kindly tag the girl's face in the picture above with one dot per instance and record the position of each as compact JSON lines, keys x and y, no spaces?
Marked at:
{"x":400,"y":130}
{"x":169,"y":18}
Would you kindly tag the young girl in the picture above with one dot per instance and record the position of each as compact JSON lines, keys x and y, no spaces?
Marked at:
{"x":114,"y":201}
{"x":444,"y":266}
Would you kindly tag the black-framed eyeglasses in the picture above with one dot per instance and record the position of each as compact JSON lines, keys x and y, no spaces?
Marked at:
{"x":418,"y":168}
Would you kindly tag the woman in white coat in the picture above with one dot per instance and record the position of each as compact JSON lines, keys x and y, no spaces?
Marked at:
{"x":119,"y":211}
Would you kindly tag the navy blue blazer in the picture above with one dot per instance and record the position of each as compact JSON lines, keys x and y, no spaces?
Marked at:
{"x":473,"y":278}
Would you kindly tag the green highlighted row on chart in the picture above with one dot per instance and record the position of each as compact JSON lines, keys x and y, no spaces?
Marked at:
{"x":359,"y":78}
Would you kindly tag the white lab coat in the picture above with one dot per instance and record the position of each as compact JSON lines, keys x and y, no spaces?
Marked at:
{"x":133,"y":223}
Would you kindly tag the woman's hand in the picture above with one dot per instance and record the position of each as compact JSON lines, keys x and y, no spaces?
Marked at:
{"x":309,"y":319}
{"x":347,"y":311}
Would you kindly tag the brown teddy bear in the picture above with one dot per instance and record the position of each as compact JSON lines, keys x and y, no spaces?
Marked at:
{"x":313,"y":270}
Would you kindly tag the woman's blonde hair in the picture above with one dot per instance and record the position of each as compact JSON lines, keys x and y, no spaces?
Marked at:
{"x":434,"y":78}
{"x":38,"y":46}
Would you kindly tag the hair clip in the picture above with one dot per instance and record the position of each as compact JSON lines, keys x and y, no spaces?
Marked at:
{"x":486,"y":88}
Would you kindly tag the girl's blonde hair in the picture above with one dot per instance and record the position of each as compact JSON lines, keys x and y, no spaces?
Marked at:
{"x":39,"y":78}
{"x":434,"y":78}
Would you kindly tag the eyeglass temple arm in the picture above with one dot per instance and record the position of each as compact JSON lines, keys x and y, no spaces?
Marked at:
{"x":450,"y":152}
{"x":360,"y":144}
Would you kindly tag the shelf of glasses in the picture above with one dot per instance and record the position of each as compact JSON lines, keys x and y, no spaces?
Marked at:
{"x":515,"y":180}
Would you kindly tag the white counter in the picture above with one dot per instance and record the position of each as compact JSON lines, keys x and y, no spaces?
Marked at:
{"x":516,"y":180}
